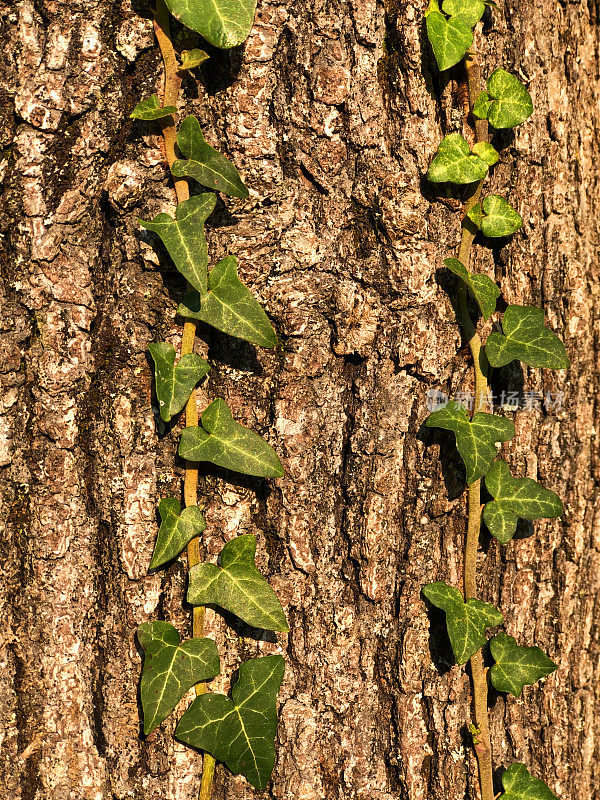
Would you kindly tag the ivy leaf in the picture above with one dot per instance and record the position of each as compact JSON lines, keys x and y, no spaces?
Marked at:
{"x":483,"y":288}
{"x":454,"y":162}
{"x":170,"y":669}
{"x":450,"y":38}
{"x":466,"y":622}
{"x":470,"y":10}
{"x":525,"y":338}
{"x":517,"y":666}
{"x":174,"y":383}
{"x":237,"y":586}
{"x":515,"y":498}
{"x":184,"y":236}
{"x":520,"y":785}
{"x":177,"y":528}
{"x":205,"y":164}
{"x":487,"y":152}
{"x":150,"y":109}
{"x":230,"y":307}
{"x":495,"y":217}
{"x":475,"y":440}
{"x":190,"y":59}
{"x":224,"y":442}
{"x":223,"y":23}
{"x":506,"y":103}
{"x":239,"y":731}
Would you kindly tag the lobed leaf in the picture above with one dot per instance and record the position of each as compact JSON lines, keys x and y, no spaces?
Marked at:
{"x":470,"y":10}
{"x":466,"y":622}
{"x":226,"y":443}
{"x":517,"y":666}
{"x":454,"y":162}
{"x":525,"y":338}
{"x":515,"y":498}
{"x":184,"y":237}
{"x":495,"y":217}
{"x":177,"y":529}
{"x":475,"y":439}
{"x":223,"y":23}
{"x":520,"y":785}
{"x":487,"y":152}
{"x":450,"y":38}
{"x":237,"y":586}
{"x":483,"y":288}
{"x":506,"y":103}
{"x":190,"y":59}
{"x":229,"y":306}
{"x":171,"y":669}
{"x":174,"y":383}
{"x":239,"y":731}
{"x":151,"y":109}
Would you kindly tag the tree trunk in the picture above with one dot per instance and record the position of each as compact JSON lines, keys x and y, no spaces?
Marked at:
{"x":332,"y":112}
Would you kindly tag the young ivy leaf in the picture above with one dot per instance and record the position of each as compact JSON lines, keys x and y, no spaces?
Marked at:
{"x":239,"y":732}
{"x":466,"y":622}
{"x":224,"y":442}
{"x":174,"y":383}
{"x":487,"y":152}
{"x":205,"y":164}
{"x":184,"y":237}
{"x":223,"y":23}
{"x":506,"y":103}
{"x":237,"y":586}
{"x":170,"y":669}
{"x":190,"y":59}
{"x":517,"y":666}
{"x":177,"y":529}
{"x":520,"y":785}
{"x":525,"y":338}
{"x":454,"y":162}
{"x":230,"y":307}
{"x":470,"y":10}
{"x":495,"y":217}
{"x":475,"y":439}
{"x":450,"y":38}
{"x":483,"y":288}
{"x":150,"y":109}
{"x":515,"y":498}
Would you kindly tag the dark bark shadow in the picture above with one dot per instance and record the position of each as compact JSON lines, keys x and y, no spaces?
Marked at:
{"x":440,"y":649}
{"x":452,"y":465}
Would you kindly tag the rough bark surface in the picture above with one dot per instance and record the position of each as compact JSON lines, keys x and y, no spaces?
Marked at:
{"x":331,"y":111}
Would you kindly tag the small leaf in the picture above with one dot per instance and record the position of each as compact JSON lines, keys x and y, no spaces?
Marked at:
{"x":483,"y":288}
{"x":466,"y":622}
{"x":450,"y":39}
{"x":230,"y":307}
{"x":495,"y":217}
{"x":525,"y":338}
{"x":184,"y":237}
{"x":487,"y":152}
{"x":239,"y":732}
{"x":177,"y":529}
{"x":190,"y":59}
{"x":150,"y":109}
{"x":205,"y":164}
{"x":475,"y":440}
{"x":515,"y":498}
{"x":223,"y":23}
{"x":226,"y":443}
{"x":520,"y":785}
{"x":506,"y":103}
{"x":237,"y":586}
{"x":517,"y":666}
{"x":470,"y":10}
{"x":174,"y":384}
{"x":170,"y":669}
{"x":454,"y":162}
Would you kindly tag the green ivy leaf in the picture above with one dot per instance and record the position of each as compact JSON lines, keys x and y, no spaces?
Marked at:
{"x":475,"y":439}
{"x":223,"y":23}
{"x":466,"y":622}
{"x":495,"y":217}
{"x":174,"y":384}
{"x":454,"y":162}
{"x":483,"y":288}
{"x":230,"y":307}
{"x":237,"y":586}
{"x":525,"y":338}
{"x":520,"y":785}
{"x":177,"y":529}
{"x":150,"y":109}
{"x":486,"y":152}
{"x":226,"y":443}
{"x":239,"y":732}
{"x":515,"y":498}
{"x":184,"y":236}
{"x":450,"y":38}
{"x":517,"y":666}
{"x":470,"y":10}
{"x":205,"y":164}
{"x":170,"y":669}
{"x":506,"y":103}
{"x":190,"y":59}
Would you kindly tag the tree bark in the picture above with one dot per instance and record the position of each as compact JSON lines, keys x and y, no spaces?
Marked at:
{"x":332,"y":112}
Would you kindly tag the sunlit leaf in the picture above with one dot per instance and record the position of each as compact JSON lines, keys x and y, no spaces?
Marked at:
{"x":150,"y":109}
{"x":525,"y":338}
{"x":190,"y":59}
{"x":483,"y":288}
{"x":487,"y":152}
{"x":450,"y":38}
{"x":174,"y":383}
{"x":470,"y":10}
{"x":454,"y":162}
{"x":177,"y":529}
{"x":239,"y":732}
{"x":506,"y":103}
{"x":520,"y":785}
{"x":223,"y":23}
{"x":495,"y":217}
{"x":517,"y":666}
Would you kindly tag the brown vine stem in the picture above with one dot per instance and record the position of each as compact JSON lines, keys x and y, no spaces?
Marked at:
{"x":162,"y":30}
